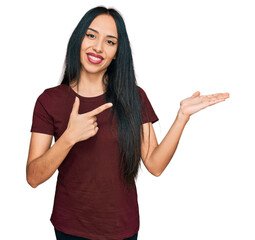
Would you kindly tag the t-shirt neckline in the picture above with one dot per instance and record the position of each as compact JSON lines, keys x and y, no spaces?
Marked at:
{"x":83,"y":98}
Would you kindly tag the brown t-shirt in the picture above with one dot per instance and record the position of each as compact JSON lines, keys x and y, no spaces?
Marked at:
{"x":90,"y":200}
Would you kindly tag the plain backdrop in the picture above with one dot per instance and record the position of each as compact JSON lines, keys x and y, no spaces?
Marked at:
{"x":179,"y":47}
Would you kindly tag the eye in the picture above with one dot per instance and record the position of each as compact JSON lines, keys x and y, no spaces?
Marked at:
{"x":90,"y":35}
{"x":111,"y":42}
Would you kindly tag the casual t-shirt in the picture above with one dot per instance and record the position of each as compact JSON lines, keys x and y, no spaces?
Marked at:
{"x":90,"y":199}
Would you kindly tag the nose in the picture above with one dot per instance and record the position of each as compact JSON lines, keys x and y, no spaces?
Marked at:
{"x":98,"y":46}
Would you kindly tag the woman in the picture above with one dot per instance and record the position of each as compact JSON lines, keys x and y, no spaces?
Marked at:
{"x":102,"y":125}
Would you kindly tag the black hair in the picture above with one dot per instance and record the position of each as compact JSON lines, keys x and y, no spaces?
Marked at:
{"x":121,"y":89}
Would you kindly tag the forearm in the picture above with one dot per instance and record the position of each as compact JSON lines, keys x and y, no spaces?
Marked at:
{"x":42,"y":168}
{"x":164,"y":152}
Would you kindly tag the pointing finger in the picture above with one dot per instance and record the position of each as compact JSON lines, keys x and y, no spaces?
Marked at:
{"x":100,"y":109}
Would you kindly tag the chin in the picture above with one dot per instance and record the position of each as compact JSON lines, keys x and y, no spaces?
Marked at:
{"x":94,"y":70}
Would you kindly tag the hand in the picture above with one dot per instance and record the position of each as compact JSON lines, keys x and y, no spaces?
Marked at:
{"x":196,"y":102}
{"x":84,"y":126}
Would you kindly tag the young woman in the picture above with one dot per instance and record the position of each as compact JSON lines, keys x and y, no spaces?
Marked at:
{"x":102,"y":124}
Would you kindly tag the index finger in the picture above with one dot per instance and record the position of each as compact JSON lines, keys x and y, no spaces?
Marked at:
{"x":100,"y":109}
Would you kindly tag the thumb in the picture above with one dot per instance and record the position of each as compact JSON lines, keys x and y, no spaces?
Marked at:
{"x":196,"y":94}
{"x":76,"y":105}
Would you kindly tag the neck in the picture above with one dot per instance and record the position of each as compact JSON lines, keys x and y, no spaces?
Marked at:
{"x":90,"y":84}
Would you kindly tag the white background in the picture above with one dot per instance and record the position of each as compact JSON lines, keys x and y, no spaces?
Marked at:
{"x":179,"y":47}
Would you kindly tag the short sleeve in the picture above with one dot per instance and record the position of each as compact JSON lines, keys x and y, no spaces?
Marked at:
{"x":42,"y":122}
{"x":148,"y":113}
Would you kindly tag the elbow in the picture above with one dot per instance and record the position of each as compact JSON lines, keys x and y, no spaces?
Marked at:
{"x":156,"y":171}
{"x":157,"y":174}
{"x":31,"y":183}
{"x":33,"y":186}
{"x":29,"y":180}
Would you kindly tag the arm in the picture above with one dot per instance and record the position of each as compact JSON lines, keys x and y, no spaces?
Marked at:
{"x":160,"y":155}
{"x":42,"y":161}
{"x":40,"y":169}
{"x":156,"y":157}
{"x":163,"y":153}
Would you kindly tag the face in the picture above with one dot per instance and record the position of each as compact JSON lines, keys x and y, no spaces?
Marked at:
{"x":99,"y":45}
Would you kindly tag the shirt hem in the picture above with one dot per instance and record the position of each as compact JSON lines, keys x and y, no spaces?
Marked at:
{"x":95,"y":237}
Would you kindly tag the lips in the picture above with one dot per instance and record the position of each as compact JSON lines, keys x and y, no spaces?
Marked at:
{"x":95,"y":55}
{"x":94,"y":58}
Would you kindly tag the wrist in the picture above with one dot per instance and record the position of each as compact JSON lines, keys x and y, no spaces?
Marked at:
{"x":69,"y":138}
{"x":182,"y":116}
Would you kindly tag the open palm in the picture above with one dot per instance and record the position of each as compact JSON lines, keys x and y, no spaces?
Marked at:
{"x":196,"y":102}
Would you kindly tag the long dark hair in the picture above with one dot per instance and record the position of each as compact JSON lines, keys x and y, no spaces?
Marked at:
{"x":121,"y":89}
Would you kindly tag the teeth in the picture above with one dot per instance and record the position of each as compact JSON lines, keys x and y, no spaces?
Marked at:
{"x":95,"y":58}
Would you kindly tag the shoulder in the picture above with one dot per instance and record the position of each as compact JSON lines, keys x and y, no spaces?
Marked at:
{"x":142,"y":94}
{"x":53,"y":93}
{"x":53,"y":100}
{"x":53,"y":97}
{"x":141,"y":91}
{"x":58,"y":90}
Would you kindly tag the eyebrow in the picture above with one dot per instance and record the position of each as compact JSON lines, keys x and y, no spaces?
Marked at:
{"x":98,"y":32}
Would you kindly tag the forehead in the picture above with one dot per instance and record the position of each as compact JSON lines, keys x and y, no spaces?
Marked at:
{"x":104,"y":24}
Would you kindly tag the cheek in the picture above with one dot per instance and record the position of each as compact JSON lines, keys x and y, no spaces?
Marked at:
{"x":85,"y":44}
{"x":84,"y":47}
{"x":112,"y":52}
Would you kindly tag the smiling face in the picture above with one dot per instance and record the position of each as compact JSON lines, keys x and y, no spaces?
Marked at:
{"x":99,"y":45}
